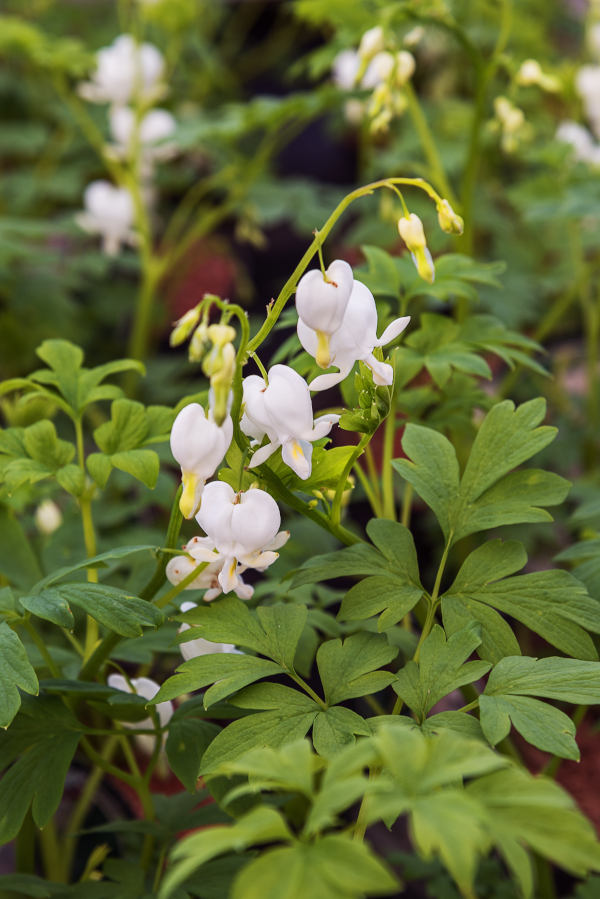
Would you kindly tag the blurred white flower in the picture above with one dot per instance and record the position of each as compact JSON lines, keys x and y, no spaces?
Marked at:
{"x":354,"y":340}
{"x":282,"y":411}
{"x":530,"y":73}
{"x":345,"y":69}
{"x":244,"y":529}
{"x":125,"y":71}
{"x":110,"y":212}
{"x":146,"y":687}
{"x":191,"y":649}
{"x":48,"y":517}
{"x":198,"y":444}
{"x":371,"y":43}
{"x":153,"y":130}
{"x":585,"y":149}
{"x":587,"y":83}
{"x":593,"y":39}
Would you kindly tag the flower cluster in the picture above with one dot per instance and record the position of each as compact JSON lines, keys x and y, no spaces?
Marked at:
{"x":129,"y":77}
{"x":382,"y":71}
{"x":337,"y":324}
{"x":242,"y":532}
{"x":585,"y":143}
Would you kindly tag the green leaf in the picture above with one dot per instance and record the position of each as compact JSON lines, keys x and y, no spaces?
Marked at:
{"x":126,"y":429}
{"x":392,"y":584}
{"x":100,"y":467}
{"x":335,"y":728}
{"x":51,"y":606}
{"x":488,"y":496}
{"x":442,"y":668}
{"x":432,"y":469}
{"x":28,"y":885}
{"x":333,"y":866}
{"x":260,"y":825}
{"x":540,"y":724}
{"x":567,"y":680}
{"x":120,"y":552}
{"x":553,"y":603}
{"x":187,"y":741}
{"x":116,"y":609}
{"x":43,"y":445}
{"x":289,"y":717}
{"x":348,"y":669}
{"x":72,"y":479}
{"x":15,"y":671}
{"x":43,"y":740}
{"x":140,"y":463}
{"x":227,"y":672}
{"x":273,"y":631}
{"x":18,"y":562}
{"x":535,"y":812}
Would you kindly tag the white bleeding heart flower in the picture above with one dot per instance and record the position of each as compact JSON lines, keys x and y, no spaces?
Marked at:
{"x":345,"y":68}
{"x":321,"y":301}
{"x":124,"y":71}
{"x":282,"y":411}
{"x":146,"y":687}
{"x":198,"y":549}
{"x":585,"y":149}
{"x":198,"y":445}
{"x":244,"y":529}
{"x":153,"y":129}
{"x":355,"y":340}
{"x":379,"y":70}
{"x":191,"y":649}
{"x":110,"y":212}
{"x":410,"y":228}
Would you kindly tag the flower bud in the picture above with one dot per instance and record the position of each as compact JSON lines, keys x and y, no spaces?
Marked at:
{"x":531,"y":73}
{"x":184,"y":326}
{"x":411,"y":231}
{"x":199,"y":344}
{"x":449,"y":221}
{"x":48,"y":517}
{"x":405,"y":67}
{"x":371,"y":43}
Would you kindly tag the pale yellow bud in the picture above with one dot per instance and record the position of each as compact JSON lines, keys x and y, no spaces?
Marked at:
{"x":531,"y":73}
{"x":199,"y":343}
{"x":219,"y":335}
{"x":414,"y":36}
{"x":405,"y":67}
{"x":48,"y":517}
{"x":184,"y":326}
{"x":449,"y":221}
{"x":371,"y":43}
{"x":411,"y":231}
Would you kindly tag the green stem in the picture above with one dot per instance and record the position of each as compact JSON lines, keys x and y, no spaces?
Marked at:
{"x":82,"y":806}
{"x":44,"y":652}
{"x":290,"y":285}
{"x":336,"y":506}
{"x":171,"y":594}
{"x":438,"y":175}
{"x":89,"y":537}
{"x":374,"y":500}
{"x":387,"y":472}
{"x":51,"y":852}
{"x":407,"y":504}
{"x":307,"y":689}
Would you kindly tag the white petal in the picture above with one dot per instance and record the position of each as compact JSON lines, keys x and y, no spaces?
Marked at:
{"x":324,"y":382}
{"x":261,"y":455}
{"x":298,"y":454}
{"x":383,"y":374}
{"x":323,"y":426}
{"x":228,"y":578}
{"x":392,"y":330}
{"x":278,"y":540}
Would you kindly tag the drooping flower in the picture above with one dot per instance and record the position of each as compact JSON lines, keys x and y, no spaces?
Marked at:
{"x":146,"y":687}
{"x":125,"y":71}
{"x":282,"y":411}
{"x":354,"y":340}
{"x":191,"y":649}
{"x":410,"y":228}
{"x":198,"y":445}
{"x":321,"y":301}
{"x":109,"y":211}
{"x":153,"y":130}
{"x":244,"y":529}
{"x":449,"y":221}
{"x":371,"y":43}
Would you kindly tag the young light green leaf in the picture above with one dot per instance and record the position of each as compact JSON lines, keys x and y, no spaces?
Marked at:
{"x":260,"y":825}
{"x":15,"y":671}
{"x":333,"y":867}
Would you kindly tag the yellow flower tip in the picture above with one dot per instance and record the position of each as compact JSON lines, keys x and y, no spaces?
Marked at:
{"x":424,"y":264}
{"x":188,"y":504}
{"x":221,"y":334}
{"x":184,"y":326}
{"x":323,"y":356}
{"x":449,"y":221}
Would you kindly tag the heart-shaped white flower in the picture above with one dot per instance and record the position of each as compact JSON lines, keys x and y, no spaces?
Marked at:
{"x":110,"y":212}
{"x":198,"y":444}
{"x":282,"y":411}
{"x":321,"y":302}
